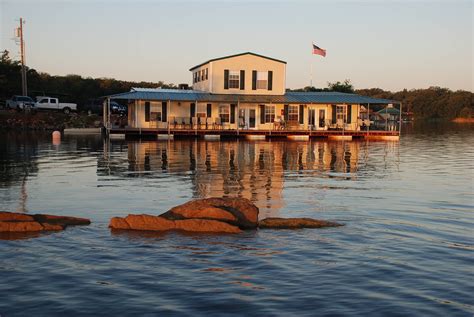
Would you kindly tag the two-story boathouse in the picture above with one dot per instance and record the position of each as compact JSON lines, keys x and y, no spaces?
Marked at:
{"x":245,"y":95}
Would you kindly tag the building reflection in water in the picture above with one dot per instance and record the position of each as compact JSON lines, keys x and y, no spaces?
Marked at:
{"x":253,"y":170}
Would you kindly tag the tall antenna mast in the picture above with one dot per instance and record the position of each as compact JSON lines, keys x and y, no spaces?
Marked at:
{"x":19,"y":34}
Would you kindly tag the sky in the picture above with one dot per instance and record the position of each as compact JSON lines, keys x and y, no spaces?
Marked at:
{"x":387,"y":44}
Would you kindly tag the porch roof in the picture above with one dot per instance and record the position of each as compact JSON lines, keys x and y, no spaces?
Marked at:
{"x":289,"y":97}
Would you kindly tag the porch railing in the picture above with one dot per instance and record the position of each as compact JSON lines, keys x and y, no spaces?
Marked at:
{"x":205,"y":123}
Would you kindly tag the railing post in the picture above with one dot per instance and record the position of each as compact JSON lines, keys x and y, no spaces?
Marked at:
{"x":168,"y":106}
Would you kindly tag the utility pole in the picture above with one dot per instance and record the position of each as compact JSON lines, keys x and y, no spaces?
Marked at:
{"x":19,"y":34}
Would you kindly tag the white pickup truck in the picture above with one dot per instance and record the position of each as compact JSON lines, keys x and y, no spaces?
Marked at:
{"x":48,"y":103}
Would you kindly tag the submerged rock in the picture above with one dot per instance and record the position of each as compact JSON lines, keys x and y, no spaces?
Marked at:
{"x":17,"y":222}
{"x":295,"y":223}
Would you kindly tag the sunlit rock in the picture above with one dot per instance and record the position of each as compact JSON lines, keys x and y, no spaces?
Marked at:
{"x":295,"y":223}
{"x":239,"y":212}
{"x":17,"y":222}
{"x":158,"y":223}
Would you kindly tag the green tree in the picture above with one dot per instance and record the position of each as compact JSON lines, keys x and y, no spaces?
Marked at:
{"x":344,"y":86}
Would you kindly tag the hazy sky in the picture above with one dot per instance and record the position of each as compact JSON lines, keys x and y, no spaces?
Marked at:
{"x":387,"y":44}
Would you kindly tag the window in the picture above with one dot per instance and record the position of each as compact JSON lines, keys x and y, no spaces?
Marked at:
{"x":156,"y":112}
{"x":262,"y":80}
{"x":207,"y":74}
{"x":44,"y":100}
{"x":52,"y":100}
{"x":340,"y":113}
{"x":269,"y":114}
{"x":292,"y":113}
{"x":202,"y":74}
{"x":201,"y":110}
{"x":234,"y":79}
{"x":224,"y":113}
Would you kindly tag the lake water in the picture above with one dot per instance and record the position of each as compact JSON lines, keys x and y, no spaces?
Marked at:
{"x":406,"y":248}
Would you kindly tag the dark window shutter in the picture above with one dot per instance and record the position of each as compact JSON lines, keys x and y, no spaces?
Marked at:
{"x":193,"y":110}
{"x":226,"y":79}
{"x":254,"y":80}
{"x":232,"y":113}
{"x":301,"y":114}
{"x":242,"y":79}
{"x":285,"y":112}
{"x":147,"y":111}
{"x":270,"y":80}
{"x":262,"y":114}
{"x":334,"y":120}
{"x":349,"y":114}
{"x":164,"y":111}
{"x":209,"y":110}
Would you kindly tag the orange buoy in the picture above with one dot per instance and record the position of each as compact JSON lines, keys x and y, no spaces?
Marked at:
{"x":56,"y":138}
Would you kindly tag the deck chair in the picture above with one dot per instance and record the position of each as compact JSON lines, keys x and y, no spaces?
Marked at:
{"x":209,"y":123}
{"x":194,"y":122}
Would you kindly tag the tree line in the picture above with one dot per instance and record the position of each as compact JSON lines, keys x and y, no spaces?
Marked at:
{"x":69,"y":88}
{"x":433,"y":102}
{"x":430,"y":103}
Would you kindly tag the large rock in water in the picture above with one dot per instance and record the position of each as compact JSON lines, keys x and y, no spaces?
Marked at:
{"x":18,"y":222}
{"x":158,"y":223}
{"x":295,"y":223}
{"x":218,"y":215}
{"x":223,"y":215}
{"x":238,"y":212}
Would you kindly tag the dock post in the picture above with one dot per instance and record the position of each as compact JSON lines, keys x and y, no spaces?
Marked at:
{"x":400,"y":121}
{"x":238,"y":115}
{"x":108,"y":113}
{"x":168,"y":106}
{"x":368,"y":117}
{"x":195,"y":113}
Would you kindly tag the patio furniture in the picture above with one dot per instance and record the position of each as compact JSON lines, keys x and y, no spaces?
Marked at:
{"x":209,"y":123}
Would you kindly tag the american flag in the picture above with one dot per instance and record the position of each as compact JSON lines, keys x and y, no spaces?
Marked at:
{"x":318,"y":51}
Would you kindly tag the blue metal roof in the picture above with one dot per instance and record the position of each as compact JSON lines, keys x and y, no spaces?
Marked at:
{"x":289,"y":97}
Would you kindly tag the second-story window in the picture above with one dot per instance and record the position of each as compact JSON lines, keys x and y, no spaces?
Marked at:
{"x":234,"y":79}
{"x":207,"y":74}
{"x":262,"y":80}
{"x":202,"y":75}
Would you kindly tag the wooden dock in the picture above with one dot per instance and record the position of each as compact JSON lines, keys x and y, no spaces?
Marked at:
{"x":248,"y":133}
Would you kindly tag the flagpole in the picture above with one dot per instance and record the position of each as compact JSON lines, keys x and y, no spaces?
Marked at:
{"x":311,"y":71}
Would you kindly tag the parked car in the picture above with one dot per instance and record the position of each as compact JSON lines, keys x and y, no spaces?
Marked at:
{"x":92,"y":106}
{"x":96,"y":106}
{"x":20,"y":103}
{"x":117,"y":108}
{"x":48,"y":103}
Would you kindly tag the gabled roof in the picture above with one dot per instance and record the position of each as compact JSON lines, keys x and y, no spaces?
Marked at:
{"x":292,"y":97}
{"x":235,"y":55}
